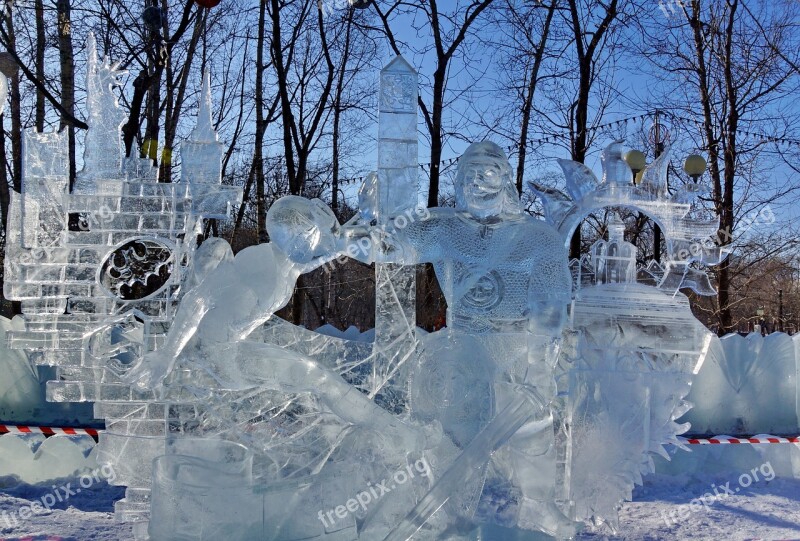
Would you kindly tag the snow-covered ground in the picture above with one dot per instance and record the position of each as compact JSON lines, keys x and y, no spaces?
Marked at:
{"x":662,"y":509}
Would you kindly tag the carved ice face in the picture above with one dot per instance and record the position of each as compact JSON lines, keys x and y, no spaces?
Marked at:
{"x":303,"y":229}
{"x":484,"y":186}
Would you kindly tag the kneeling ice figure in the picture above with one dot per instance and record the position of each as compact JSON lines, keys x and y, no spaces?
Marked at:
{"x":239,"y":294}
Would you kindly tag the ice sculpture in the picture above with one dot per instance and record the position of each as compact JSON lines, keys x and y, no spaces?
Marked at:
{"x":688,"y":238}
{"x":632,"y":349}
{"x":225,"y":421}
{"x":507,"y":286}
{"x":747,"y":385}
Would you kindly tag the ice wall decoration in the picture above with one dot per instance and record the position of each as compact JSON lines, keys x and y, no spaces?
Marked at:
{"x":535,"y":410}
{"x":688,"y":238}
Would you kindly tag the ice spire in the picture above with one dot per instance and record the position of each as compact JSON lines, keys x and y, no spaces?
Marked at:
{"x":615,"y":169}
{"x":204,"y":131}
{"x":394,"y":193}
{"x":102,"y":156}
{"x":202,"y":152}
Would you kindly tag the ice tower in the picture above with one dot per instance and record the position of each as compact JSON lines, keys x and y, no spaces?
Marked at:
{"x":98,"y":271}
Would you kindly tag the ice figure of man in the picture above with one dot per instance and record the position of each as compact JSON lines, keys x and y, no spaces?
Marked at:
{"x":505,"y":277}
{"x":240,"y":293}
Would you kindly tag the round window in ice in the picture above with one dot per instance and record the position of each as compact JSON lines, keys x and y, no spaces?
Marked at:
{"x":137,"y":269}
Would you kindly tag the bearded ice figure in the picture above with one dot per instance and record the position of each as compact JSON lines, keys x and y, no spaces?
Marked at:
{"x":507,"y":284}
{"x":483,"y":183}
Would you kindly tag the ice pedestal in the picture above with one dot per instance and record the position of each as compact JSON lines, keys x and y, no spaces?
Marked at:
{"x":629,"y":366}
{"x":207,"y":491}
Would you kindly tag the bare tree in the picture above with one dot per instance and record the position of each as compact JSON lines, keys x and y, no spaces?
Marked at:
{"x":520,"y":34}
{"x":588,"y":43}
{"x":305,"y":74}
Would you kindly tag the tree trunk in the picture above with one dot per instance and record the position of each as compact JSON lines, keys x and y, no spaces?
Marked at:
{"x":16,"y":115}
{"x":287,"y":118}
{"x":527,"y":104}
{"x":258,"y":156}
{"x":67,"y":64}
{"x":436,"y":134}
{"x":5,"y":195}
{"x":337,"y":114}
{"x":41,"y":40}
{"x":175,"y":100}
{"x":586,"y":57}
{"x":722,"y":193}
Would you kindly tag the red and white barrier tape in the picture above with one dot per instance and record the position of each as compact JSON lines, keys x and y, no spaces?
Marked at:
{"x":47,"y":431}
{"x":727,"y":440}
{"x":51,"y":431}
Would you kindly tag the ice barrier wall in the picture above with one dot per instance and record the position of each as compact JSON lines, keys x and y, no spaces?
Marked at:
{"x":747,"y":385}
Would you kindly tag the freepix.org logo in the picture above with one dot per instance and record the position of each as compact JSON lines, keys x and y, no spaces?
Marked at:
{"x":373,"y":493}
{"x":57,"y":497}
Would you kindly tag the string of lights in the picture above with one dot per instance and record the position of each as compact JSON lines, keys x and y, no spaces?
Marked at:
{"x":565,"y":136}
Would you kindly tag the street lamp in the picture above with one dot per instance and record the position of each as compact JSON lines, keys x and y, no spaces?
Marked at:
{"x":636,"y":161}
{"x":694,"y":166}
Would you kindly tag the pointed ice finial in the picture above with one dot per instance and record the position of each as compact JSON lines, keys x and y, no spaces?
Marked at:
{"x":615,"y":168}
{"x":91,"y":54}
{"x":400,"y":65}
{"x":91,"y":68}
{"x":204,"y":132}
{"x":202,"y":152}
{"x":101,"y":78}
{"x":102,"y":148}
{"x":580,"y":179}
{"x":654,"y":177}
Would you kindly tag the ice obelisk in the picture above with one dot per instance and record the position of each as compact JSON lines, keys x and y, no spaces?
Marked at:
{"x":395,"y":284}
